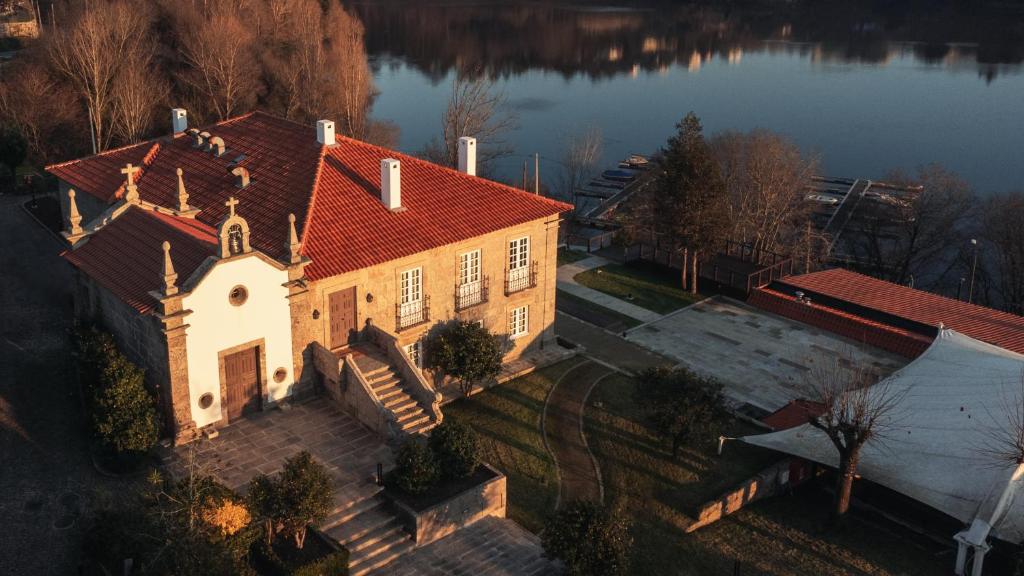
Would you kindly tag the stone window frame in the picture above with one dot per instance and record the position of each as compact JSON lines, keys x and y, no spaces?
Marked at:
{"x":519,"y":322}
{"x":262,"y":382}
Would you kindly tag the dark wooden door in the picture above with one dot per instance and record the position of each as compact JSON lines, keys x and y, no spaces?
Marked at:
{"x":341,"y":315}
{"x":242,"y":378}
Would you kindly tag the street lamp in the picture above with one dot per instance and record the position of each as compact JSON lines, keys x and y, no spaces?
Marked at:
{"x":974,"y":266}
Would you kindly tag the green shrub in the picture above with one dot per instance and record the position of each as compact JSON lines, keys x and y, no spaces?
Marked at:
{"x":336,"y":564}
{"x":301,"y":495}
{"x":680,"y":405}
{"x":465,"y":351}
{"x":415,"y":468}
{"x":456,"y":448}
{"x":588,"y":538}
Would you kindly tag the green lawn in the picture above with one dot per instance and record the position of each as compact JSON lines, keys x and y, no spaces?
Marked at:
{"x":651,"y":286}
{"x":778,"y":536}
{"x":594,"y":313}
{"x":508,"y":420}
{"x":566,"y":256}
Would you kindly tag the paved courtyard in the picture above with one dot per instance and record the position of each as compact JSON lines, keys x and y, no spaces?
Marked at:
{"x":493,"y":547}
{"x":262,"y":442}
{"x":761,"y":359}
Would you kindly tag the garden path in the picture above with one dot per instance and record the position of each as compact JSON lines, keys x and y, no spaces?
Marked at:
{"x":567,"y":281}
{"x":580,"y":478}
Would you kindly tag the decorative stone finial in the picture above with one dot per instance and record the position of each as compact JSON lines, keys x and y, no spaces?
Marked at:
{"x":182,"y":194}
{"x":293,"y":242}
{"x":169,"y":275}
{"x":74,"y":218}
{"x":131,"y":191}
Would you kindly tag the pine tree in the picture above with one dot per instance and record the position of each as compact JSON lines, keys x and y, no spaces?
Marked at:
{"x":690,"y":202}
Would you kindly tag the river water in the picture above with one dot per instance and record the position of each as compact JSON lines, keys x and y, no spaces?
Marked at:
{"x":866,"y":92}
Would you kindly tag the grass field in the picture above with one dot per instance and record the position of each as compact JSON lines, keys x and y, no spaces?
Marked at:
{"x":508,"y":420}
{"x":650,"y":286}
{"x":594,"y":313}
{"x":779,"y":536}
{"x":566,"y":256}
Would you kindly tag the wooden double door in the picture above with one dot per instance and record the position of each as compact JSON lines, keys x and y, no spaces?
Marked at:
{"x":342,"y":317}
{"x":242,"y":382}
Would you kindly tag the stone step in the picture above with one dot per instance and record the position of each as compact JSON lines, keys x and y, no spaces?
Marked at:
{"x":400,"y":403}
{"x":349,"y":511}
{"x":381,"y":560}
{"x":421,"y":428}
{"x":409,"y":415}
{"x":385,"y":381}
{"x":388,"y":392}
{"x":372,"y":542}
{"x":377,"y":369}
{"x":414,"y":422}
{"x":361,"y":525}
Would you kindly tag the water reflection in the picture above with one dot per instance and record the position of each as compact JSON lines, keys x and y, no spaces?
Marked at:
{"x":512,"y":38}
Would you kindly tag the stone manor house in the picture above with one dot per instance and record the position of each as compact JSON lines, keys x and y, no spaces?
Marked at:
{"x":242,"y":263}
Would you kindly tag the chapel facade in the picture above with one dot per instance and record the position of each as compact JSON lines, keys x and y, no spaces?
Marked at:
{"x":250,"y":261}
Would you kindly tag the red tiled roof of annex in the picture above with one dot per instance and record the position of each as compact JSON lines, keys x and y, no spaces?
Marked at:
{"x":334,"y":192}
{"x":127,"y":255}
{"x":998,"y":328}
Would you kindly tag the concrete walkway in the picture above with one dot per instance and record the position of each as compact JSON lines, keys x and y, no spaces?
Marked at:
{"x":563,"y":426}
{"x":607,"y":347}
{"x":567,"y":281}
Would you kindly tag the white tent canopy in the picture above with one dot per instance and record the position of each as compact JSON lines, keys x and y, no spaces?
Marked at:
{"x":937,"y":449}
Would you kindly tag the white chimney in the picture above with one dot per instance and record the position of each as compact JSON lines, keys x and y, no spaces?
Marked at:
{"x":467,"y":155}
{"x":179,"y":120}
{"x":325,"y":132}
{"x":391,"y":183}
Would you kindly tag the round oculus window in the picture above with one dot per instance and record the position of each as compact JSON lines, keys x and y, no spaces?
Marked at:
{"x":206,"y":400}
{"x":238,"y":295}
{"x":279,"y":375}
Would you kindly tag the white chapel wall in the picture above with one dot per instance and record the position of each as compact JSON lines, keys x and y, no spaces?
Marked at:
{"x":215,"y":325}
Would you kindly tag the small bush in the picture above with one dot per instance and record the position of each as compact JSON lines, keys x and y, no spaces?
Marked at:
{"x":680,"y":405}
{"x":465,"y":351}
{"x":416,"y":469}
{"x":456,"y":448}
{"x":301,"y":495}
{"x":588,"y":538}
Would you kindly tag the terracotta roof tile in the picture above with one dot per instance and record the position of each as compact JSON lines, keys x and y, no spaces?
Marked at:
{"x":333,"y":192}
{"x":794,"y":414}
{"x":998,"y":328}
{"x":126,"y":256}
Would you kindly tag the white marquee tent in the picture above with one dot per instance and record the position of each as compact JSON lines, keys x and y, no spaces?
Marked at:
{"x":954,"y":399}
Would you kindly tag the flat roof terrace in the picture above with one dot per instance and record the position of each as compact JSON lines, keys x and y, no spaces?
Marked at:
{"x":762,"y":360}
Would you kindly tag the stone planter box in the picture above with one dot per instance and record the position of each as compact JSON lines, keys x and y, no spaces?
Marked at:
{"x":438,"y":517}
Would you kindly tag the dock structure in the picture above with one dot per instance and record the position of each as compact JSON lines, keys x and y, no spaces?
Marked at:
{"x":847,"y":207}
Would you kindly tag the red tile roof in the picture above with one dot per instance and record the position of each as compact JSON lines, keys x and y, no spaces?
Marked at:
{"x":334,"y":192}
{"x":794,"y":414}
{"x":866,"y":331}
{"x":126,"y":256}
{"x":999,"y":328}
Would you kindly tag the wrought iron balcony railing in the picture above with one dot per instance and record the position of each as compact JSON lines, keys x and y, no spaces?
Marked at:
{"x":471,"y":294}
{"x":412,"y":313}
{"x":522,"y":278}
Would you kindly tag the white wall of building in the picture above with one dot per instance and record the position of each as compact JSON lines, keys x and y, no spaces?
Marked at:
{"x":215,"y":325}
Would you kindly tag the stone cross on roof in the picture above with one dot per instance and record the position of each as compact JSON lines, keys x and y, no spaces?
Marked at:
{"x":231,"y":203}
{"x":131,"y":192}
{"x":129,"y":172}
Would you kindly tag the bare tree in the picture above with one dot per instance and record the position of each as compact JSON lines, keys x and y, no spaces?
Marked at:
{"x":90,"y":54}
{"x":765,"y":175}
{"x":218,"y":66}
{"x":856,"y":411}
{"x":49,"y":125}
{"x":139,"y":90}
{"x":1005,"y":440}
{"x":579,"y":162}
{"x":904,"y":238}
{"x":476,"y":108}
{"x":1002,"y":229}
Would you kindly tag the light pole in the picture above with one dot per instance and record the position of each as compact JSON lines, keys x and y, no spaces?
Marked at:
{"x":974,"y":266}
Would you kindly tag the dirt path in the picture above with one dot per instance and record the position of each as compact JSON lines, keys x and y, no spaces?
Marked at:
{"x":563,"y":413}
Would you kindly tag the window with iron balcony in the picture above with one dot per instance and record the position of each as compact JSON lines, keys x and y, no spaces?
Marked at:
{"x":522,"y":278}
{"x":471,"y":294}
{"x":413,"y":307}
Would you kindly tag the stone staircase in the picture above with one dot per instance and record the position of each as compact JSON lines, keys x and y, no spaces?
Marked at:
{"x":373,"y":535}
{"x":392,"y":391}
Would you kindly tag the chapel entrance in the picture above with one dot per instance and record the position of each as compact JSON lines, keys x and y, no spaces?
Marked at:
{"x":341,"y":315}
{"x":242,"y":382}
